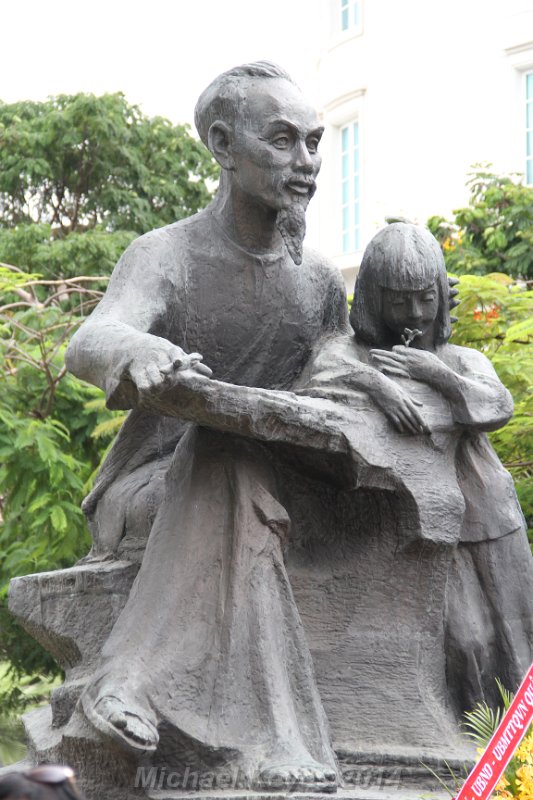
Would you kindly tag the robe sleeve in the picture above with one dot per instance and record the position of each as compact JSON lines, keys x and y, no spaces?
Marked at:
{"x":132,"y":317}
{"x":477,"y":397}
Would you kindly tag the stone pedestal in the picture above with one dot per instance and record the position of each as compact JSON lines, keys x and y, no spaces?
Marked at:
{"x":382,"y":686}
{"x":368,"y":565}
{"x":70,"y":613}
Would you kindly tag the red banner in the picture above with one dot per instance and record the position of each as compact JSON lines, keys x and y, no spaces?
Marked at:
{"x":483,"y":779}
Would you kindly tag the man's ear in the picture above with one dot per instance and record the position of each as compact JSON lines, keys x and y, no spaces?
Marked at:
{"x":219,"y":139}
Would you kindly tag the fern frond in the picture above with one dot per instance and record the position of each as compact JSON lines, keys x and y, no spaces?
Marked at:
{"x":482,"y":722}
{"x":98,"y":404}
{"x":109,"y":427}
{"x":505,"y":694}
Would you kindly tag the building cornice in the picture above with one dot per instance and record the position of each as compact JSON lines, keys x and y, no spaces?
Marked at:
{"x":343,"y":99}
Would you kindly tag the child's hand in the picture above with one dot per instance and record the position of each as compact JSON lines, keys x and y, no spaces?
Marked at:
{"x":407,"y":362}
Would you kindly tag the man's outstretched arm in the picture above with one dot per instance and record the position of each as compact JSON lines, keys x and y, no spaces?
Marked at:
{"x":124,"y":346}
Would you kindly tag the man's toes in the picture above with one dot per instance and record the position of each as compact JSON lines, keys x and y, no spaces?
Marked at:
{"x":118,"y":721}
{"x":140,"y":731}
{"x":279,"y":777}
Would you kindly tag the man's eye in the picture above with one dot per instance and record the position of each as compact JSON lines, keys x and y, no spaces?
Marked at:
{"x":312,"y":144}
{"x":428,"y":298}
{"x":281,"y":142}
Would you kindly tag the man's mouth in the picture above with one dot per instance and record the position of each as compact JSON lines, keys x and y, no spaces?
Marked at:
{"x":301,"y":187}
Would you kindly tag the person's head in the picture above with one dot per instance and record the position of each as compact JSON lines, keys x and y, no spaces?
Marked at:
{"x":46,"y":782}
{"x":402,"y":283}
{"x":265,"y":136}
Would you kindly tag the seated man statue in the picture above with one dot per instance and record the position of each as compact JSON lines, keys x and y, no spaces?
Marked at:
{"x":209,"y":650}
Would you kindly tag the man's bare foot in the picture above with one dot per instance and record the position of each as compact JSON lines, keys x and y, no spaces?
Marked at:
{"x":306,"y":775}
{"x":127,"y":725}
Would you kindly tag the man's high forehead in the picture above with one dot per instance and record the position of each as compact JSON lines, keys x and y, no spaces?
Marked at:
{"x":268,"y":99}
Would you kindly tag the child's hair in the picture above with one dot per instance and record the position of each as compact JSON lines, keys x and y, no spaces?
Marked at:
{"x":402,"y":257}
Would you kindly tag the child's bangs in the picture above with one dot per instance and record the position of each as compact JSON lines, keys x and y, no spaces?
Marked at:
{"x":410,"y":259}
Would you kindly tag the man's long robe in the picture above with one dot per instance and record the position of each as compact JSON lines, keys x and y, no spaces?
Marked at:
{"x":210,"y":646}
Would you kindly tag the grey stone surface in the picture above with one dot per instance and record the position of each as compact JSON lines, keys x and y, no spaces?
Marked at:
{"x":306,"y":554}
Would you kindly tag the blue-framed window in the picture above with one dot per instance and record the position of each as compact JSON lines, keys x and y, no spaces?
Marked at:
{"x":350,"y":14}
{"x":350,"y":188}
{"x":529,"y":128}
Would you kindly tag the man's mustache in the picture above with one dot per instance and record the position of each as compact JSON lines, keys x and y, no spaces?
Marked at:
{"x":301,"y":183}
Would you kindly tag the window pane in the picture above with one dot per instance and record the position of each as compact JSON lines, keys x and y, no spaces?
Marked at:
{"x":529,"y":144}
{"x":345,"y":218}
{"x":350,"y":14}
{"x":345,"y":195}
{"x":350,"y":188}
{"x":344,"y":135}
{"x":344,"y":19}
{"x":357,"y":239}
{"x":529,"y":171}
{"x":529,"y":86}
{"x":345,"y":166}
{"x":529,"y":115}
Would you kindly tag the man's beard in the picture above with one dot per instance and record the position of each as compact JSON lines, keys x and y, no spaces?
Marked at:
{"x":290,"y":222}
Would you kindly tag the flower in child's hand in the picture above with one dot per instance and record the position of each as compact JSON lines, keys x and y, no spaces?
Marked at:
{"x":409,"y":335}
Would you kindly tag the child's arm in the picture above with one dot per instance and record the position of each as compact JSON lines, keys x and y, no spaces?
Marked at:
{"x":336,"y":366}
{"x":476,"y":395}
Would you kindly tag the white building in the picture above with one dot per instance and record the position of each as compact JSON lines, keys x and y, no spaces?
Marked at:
{"x":413,"y":93}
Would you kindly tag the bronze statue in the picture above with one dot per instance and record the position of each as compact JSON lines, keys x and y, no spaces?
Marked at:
{"x":232,"y":284}
{"x":325,"y":536}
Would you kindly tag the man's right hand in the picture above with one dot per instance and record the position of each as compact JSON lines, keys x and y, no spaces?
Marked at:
{"x":158,"y":366}
{"x":399,"y":408}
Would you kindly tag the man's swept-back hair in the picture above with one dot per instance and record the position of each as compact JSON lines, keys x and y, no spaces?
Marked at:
{"x":223,"y":95}
{"x":403,"y":257}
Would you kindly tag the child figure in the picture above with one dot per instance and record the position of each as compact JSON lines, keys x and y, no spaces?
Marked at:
{"x":400,"y":316}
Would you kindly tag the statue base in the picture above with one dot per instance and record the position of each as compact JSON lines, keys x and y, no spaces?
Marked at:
{"x":378,"y":651}
{"x":107,"y":770}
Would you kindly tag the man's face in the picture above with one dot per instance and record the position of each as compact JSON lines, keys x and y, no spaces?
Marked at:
{"x":275,"y":145}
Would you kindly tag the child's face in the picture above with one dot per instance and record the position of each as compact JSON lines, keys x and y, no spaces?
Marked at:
{"x":410,"y":309}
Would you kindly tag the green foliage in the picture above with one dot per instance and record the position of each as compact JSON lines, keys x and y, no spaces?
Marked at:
{"x":47,"y":450}
{"x":489,"y":246}
{"x":80,"y":161}
{"x":80,"y":178}
{"x":18,"y":693}
{"x":494,"y":233}
{"x":496,"y":317}
{"x":481,"y":724}
{"x":35,"y":248}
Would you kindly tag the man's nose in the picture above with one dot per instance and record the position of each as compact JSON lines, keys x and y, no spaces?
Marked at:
{"x":302,"y":158}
